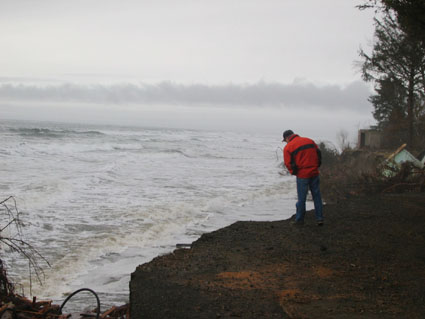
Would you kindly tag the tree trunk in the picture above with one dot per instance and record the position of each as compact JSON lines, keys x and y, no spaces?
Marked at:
{"x":410,"y":105}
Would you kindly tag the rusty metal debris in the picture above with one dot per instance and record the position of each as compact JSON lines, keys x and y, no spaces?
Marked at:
{"x":15,"y":306}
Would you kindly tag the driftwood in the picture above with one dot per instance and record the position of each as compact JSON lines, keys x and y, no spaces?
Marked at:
{"x":402,"y":187}
{"x":117,"y":312}
{"x":22,"y":308}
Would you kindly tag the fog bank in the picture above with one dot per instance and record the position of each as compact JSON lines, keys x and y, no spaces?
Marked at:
{"x":352,"y":97}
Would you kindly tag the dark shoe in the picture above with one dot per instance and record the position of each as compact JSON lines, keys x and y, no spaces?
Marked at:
{"x":320,"y":223}
{"x":297,"y":223}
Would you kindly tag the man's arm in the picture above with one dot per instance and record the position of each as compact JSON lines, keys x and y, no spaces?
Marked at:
{"x":319,"y":155}
{"x":287,"y":159}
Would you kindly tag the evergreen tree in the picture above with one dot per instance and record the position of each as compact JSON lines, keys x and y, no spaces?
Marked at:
{"x":396,"y":66}
{"x":410,"y":14}
{"x":388,"y":102}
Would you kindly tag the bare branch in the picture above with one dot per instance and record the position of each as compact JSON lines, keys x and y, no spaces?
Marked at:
{"x":17,"y":244}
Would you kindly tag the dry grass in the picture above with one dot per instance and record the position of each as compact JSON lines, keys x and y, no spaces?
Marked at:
{"x":356,"y":172}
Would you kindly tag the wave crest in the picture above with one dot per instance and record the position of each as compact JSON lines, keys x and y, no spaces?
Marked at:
{"x":45,"y":132}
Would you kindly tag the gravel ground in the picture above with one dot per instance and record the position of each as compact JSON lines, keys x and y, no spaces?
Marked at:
{"x":367,"y":261}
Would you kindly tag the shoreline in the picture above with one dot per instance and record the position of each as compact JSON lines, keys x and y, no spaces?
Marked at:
{"x":367,"y":260}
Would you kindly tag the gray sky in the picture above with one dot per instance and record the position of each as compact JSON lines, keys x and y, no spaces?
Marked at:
{"x":283,"y":55}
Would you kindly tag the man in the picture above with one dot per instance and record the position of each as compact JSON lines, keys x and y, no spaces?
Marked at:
{"x":302,"y":157}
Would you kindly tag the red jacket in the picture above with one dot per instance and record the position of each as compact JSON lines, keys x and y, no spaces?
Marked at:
{"x":302,"y":157}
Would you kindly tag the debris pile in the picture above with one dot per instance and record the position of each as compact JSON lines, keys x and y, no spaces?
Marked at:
{"x":14,"y":306}
{"x":21,"y":308}
{"x":18,"y":307}
{"x":366,"y":172}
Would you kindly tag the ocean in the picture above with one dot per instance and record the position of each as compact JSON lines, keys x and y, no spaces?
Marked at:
{"x":97,"y":201}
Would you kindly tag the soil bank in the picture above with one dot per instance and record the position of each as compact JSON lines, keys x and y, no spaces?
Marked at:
{"x":367,"y":261}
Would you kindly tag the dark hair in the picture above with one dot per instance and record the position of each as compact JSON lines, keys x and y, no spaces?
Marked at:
{"x":287,"y":133}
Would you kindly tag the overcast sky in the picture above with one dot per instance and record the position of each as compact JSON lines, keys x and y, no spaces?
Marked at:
{"x":284,"y":55}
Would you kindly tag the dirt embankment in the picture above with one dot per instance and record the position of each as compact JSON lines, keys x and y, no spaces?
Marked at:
{"x":367,"y":261}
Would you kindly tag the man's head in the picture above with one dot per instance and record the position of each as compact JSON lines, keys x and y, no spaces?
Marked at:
{"x":287,"y":134}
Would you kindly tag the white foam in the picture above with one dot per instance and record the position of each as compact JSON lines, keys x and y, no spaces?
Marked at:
{"x":100,"y":204}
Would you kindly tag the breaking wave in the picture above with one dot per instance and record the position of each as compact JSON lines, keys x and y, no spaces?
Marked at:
{"x":52,"y":133}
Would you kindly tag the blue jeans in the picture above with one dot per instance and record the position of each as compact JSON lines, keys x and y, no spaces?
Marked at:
{"x":303,"y":184}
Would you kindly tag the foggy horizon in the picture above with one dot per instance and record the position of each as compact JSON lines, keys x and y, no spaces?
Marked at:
{"x":231,"y":65}
{"x":261,"y":94}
